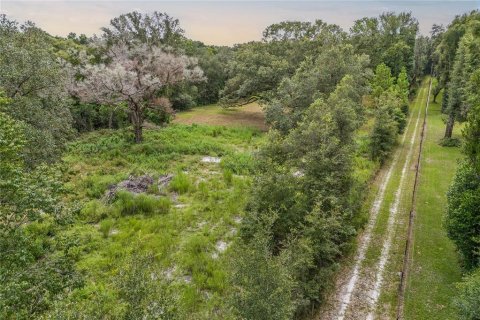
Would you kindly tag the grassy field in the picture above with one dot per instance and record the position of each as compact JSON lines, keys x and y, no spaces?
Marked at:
{"x":434,"y":268}
{"x":250,"y":115}
{"x":187,"y":227}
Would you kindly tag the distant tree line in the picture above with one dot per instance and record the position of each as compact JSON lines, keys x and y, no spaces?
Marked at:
{"x":458,"y":54}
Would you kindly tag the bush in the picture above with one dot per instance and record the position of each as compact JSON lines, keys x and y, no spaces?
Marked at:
{"x":450,"y":142}
{"x":262,"y":287}
{"x":463,"y":214}
{"x":228,"y":176}
{"x":141,"y":288}
{"x":468,"y":302}
{"x":238,"y":163}
{"x":400,"y":118}
{"x":180,"y":183}
{"x":106,"y":226}
{"x":127,"y":203}
{"x":384,"y":136}
{"x":94,"y":211}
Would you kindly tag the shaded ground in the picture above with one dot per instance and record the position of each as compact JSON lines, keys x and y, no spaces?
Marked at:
{"x":250,"y":115}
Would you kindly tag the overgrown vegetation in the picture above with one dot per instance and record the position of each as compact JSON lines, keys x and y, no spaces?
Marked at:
{"x":463,"y":215}
{"x":176,"y":221}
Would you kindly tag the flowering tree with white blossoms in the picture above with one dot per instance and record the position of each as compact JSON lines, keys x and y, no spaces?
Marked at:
{"x":134,"y":76}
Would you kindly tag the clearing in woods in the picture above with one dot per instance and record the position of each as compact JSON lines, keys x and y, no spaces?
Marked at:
{"x":369,"y":287}
{"x":250,"y":115}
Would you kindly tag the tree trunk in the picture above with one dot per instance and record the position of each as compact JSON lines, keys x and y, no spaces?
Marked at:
{"x":138,"y":128}
{"x":110,"y":119}
{"x":136,"y":117}
{"x":449,"y":128}
{"x":435,"y":94}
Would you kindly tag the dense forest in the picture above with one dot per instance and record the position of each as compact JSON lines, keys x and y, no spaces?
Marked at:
{"x":110,"y":209}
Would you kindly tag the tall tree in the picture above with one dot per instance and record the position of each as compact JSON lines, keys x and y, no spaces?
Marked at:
{"x":35,"y":82}
{"x":257,"y":68}
{"x":382,"y":80}
{"x":134,"y":76}
{"x":151,"y":29}
{"x":302,"y":196}
{"x":467,"y":61}
{"x":390,"y":38}
{"x":313,"y":79}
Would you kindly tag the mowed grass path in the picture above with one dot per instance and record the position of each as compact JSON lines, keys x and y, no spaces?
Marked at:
{"x":434,"y":267}
{"x":250,"y":115}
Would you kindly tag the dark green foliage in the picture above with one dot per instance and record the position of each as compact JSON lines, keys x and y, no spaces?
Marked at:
{"x":34,"y":268}
{"x":35,"y":82}
{"x":262,"y":285}
{"x":463,"y":214}
{"x":468,"y":302}
{"x":32,"y":275}
{"x":257,"y":68}
{"x":450,"y":142}
{"x":447,"y":42}
{"x":458,"y":58}
{"x":89,"y":117}
{"x":423,"y":52}
{"x":472,"y":128}
{"x":154,"y":29}
{"x":391,"y":110}
{"x":390,"y":38}
{"x":301,"y":203}
{"x":384,"y":134}
{"x":315,"y":79}
{"x":254,"y":72}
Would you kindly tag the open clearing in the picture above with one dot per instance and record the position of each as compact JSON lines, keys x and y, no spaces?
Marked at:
{"x":250,"y":115}
{"x":190,"y":233}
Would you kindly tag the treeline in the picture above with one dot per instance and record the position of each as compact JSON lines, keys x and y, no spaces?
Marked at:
{"x":304,"y":208}
{"x":458,"y":68}
{"x":257,"y":68}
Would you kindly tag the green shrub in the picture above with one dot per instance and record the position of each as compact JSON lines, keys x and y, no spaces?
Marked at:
{"x":181,"y":183}
{"x":203,"y":189}
{"x":106,"y":226}
{"x":238,"y":163}
{"x":127,"y":204}
{"x":96,"y":185}
{"x":463,"y":214}
{"x":94,"y":211}
{"x":261,"y":284}
{"x":450,"y":142}
{"x":228,"y":176}
{"x":384,"y":135}
{"x":468,"y":302}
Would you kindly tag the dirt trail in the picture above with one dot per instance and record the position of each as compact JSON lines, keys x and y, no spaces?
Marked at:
{"x":375,"y":292}
{"x":358,"y":291}
{"x":408,"y":245}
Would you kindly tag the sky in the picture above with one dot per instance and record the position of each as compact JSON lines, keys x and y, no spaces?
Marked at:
{"x":223,"y":22}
